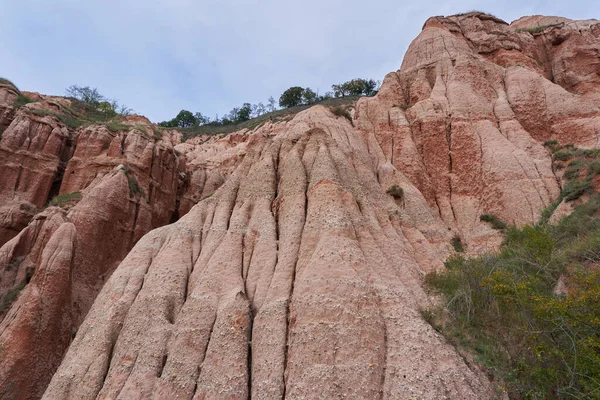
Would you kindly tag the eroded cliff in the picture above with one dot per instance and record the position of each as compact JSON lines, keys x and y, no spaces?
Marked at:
{"x":290,"y":271}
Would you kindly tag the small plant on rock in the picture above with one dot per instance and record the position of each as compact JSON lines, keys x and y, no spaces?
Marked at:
{"x":65,"y":198}
{"x":341,"y":112}
{"x":496,"y":222}
{"x":134,"y":186}
{"x":456,"y":242}
{"x":396,"y":192}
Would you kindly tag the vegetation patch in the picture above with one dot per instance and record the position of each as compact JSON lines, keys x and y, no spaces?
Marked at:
{"x":157,"y":133}
{"x":282,"y":115}
{"x":22,"y":100}
{"x":117,"y":126}
{"x":539,"y":29}
{"x":340,"y":111}
{"x":456,"y":242}
{"x":503,"y":307}
{"x":396,"y":192}
{"x":496,"y":222}
{"x":65,"y":198}
{"x":65,"y":119}
{"x":134,"y":186}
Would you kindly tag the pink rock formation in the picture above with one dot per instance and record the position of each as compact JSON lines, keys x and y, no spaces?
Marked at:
{"x":291,"y":272}
{"x":128,"y":183}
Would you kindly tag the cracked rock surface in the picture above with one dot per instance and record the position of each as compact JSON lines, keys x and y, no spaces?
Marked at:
{"x":286,"y":271}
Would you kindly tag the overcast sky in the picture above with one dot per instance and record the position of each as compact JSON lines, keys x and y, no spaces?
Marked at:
{"x":161,"y":56}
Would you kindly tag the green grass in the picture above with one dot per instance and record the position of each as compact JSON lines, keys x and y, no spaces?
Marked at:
{"x":285,"y":114}
{"x":66,"y":119}
{"x":501,"y":306}
{"x":22,"y":100}
{"x":496,"y":222}
{"x":116,"y":126}
{"x":538,"y":29}
{"x":157,"y":133}
{"x":340,"y":111}
{"x":134,"y":186}
{"x":65,"y":198}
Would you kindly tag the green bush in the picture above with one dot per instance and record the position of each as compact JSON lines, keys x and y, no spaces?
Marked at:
{"x":341,"y":112}
{"x":116,"y":126}
{"x":496,"y":222}
{"x":538,"y":29}
{"x":576,"y":188}
{"x":157,"y":133}
{"x":456,"y":242}
{"x":22,"y":100}
{"x":65,"y":198}
{"x":502,"y":307}
{"x":134,"y":186}
{"x":396,"y":192}
{"x":65,"y":119}
{"x":561,"y":156}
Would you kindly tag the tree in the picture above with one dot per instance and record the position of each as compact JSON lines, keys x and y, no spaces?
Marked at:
{"x":201,"y":119}
{"x":371,"y":87}
{"x":185,"y":119}
{"x":244,"y":113}
{"x":86,"y":94}
{"x":356,"y":87}
{"x":291,"y":97}
{"x":309,"y":96}
{"x":271,"y":105}
{"x":258,"y":110}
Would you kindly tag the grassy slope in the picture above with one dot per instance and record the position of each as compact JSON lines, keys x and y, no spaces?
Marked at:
{"x":501,"y":307}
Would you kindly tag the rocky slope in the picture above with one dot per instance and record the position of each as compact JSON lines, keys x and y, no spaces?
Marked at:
{"x":289,"y":271}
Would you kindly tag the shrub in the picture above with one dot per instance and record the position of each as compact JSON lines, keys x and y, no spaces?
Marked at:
{"x":65,"y":119}
{"x":65,"y":198}
{"x":548,"y":211}
{"x":396,"y":192}
{"x":576,"y":188}
{"x":22,"y":100}
{"x":157,"y":133}
{"x":134,"y":186}
{"x":561,"y":156}
{"x":496,"y":222}
{"x":116,"y":126}
{"x":593,"y":169}
{"x":502,"y":307}
{"x":456,"y":242}
{"x":538,"y":29}
{"x":341,"y":112}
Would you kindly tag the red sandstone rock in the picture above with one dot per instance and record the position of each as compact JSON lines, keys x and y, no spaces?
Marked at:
{"x":292,"y":273}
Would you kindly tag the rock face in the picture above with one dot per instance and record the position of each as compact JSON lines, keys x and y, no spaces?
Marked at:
{"x":124,"y":183}
{"x":290,"y":272}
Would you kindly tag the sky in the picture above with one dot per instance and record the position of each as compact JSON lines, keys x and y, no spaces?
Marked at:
{"x":162,"y":56}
